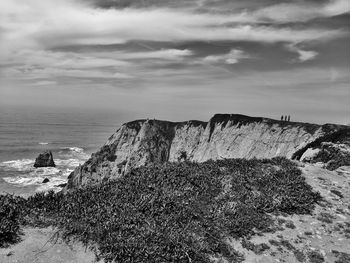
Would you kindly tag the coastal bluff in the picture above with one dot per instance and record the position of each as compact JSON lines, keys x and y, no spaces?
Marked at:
{"x":141,"y":142}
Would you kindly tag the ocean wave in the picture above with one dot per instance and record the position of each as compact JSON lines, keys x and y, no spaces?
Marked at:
{"x":26,"y":165}
{"x":19,"y":165}
{"x":67,"y":172}
{"x":23,"y":181}
{"x":43,"y":143}
{"x":69,"y":162}
{"x":45,"y":171}
{"x":51,"y":185}
{"x":36,"y":178}
{"x":21,"y":173}
{"x":73,"y":149}
{"x":75,"y":152}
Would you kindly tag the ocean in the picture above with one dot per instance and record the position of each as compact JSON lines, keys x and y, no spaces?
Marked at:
{"x":71,"y":134}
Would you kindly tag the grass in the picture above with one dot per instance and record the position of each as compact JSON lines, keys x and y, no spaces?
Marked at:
{"x":174,"y":212}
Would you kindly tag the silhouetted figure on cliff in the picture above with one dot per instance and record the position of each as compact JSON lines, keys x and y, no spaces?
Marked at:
{"x":282,"y":118}
{"x":288,"y":118}
{"x":285,"y":118}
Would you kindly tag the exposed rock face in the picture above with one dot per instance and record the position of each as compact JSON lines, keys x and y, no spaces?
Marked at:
{"x":309,"y":154}
{"x":141,"y":142}
{"x":44,"y":159}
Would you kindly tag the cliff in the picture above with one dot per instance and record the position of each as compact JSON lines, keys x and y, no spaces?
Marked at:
{"x":141,"y":142}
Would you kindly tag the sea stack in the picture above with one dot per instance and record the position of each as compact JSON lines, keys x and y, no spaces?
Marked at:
{"x":44,"y":159}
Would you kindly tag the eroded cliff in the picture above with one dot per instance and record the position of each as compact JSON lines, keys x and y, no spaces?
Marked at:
{"x":141,"y":142}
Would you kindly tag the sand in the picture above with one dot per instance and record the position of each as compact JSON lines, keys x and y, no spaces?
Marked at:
{"x":40,"y":245}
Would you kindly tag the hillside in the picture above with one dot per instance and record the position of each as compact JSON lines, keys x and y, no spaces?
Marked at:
{"x":217,"y":211}
{"x":142,"y":142}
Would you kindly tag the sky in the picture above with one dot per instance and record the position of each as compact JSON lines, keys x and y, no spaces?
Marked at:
{"x":178,"y":59}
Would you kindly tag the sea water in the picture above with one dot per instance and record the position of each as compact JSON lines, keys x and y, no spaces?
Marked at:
{"x":71,"y":135}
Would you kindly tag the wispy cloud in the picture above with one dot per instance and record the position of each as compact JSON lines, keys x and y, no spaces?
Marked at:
{"x":40,"y":23}
{"x":233,"y":57}
{"x":304,"y":11}
{"x":165,"y":54}
{"x":304,"y":55}
{"x":44,"y":83}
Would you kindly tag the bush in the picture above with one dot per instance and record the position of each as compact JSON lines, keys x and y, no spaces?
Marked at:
{"x":10,"y":207}
{"x":176,"y":212}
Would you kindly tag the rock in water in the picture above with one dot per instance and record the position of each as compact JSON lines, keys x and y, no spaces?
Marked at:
{"x":44,"y":159}
{"x":46,"y":180}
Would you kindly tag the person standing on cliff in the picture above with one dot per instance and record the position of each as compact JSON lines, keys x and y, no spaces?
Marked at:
{"x":282,"y":118}
{"x":288,"y":118}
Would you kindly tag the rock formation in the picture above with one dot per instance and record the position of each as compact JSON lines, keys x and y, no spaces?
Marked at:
{"x":142,"y":142}
{"x":46,"y":180}
{"x":44,"y":159}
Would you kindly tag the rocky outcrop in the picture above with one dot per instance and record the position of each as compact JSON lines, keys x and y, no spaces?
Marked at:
{"x":142,"y":142}
{"x":44,"y":159}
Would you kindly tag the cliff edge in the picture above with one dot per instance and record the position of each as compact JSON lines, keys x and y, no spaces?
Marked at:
{"x":141,"y":142}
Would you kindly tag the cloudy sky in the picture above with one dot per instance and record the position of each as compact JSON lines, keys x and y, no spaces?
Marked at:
{"x":179,"y":59}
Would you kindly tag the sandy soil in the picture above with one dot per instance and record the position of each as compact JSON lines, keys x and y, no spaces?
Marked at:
{"x":42,"y":246}
{"x":323,"y":236}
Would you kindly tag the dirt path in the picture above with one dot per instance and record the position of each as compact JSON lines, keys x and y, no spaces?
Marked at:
{"x":37,"y":247}
{"x":323,"y":236}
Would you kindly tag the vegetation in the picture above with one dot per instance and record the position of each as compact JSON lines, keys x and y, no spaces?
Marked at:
{"x":325,"y":217}
{"x":341,"y":257}
{"x":174,"y":212}
{"x":256,"y":248}
{"x":315,"y":257}
{"x":333,"y":156}
{"x":9,"y":219}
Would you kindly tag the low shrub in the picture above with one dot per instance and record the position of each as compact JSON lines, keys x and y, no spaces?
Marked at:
{"x":315,"y":257}
{"x":10,"y":219}
{"x":176,"y":212}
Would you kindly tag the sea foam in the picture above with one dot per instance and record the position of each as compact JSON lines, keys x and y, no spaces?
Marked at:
{"x":67,"y":159}
{"x":19,"y":165}
{"x":23,"y":181}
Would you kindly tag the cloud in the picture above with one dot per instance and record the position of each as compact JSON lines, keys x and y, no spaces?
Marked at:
{"x":166,"y":54}
{"x":33,"y":31}
{"x":301,"y":12}
{"x":45,"y":83}
{"x":233,"y":57}
{"x":304,"y":55}
{"x":33,"y":73}
{"x":33,"y":64}
{"x":39,"y":23}
{"x":336,"y":7}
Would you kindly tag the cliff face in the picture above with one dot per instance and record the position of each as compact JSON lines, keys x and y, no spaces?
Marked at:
{"x":141,"y":142}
